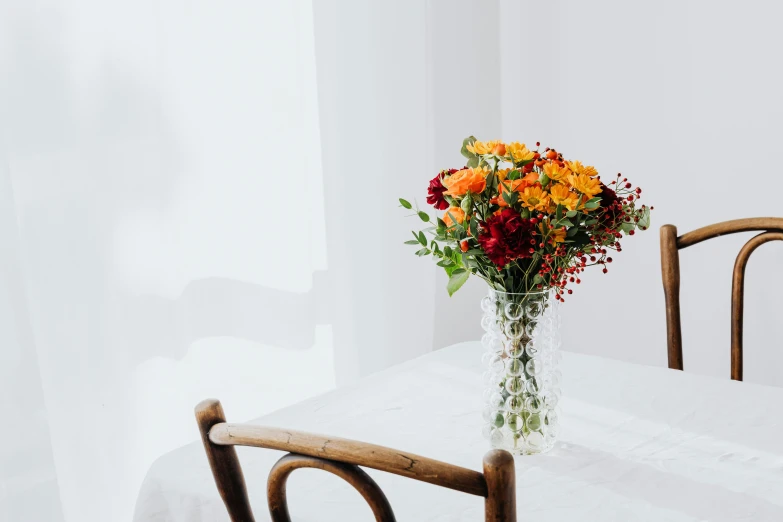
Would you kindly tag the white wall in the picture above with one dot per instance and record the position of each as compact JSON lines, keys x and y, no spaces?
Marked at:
{"x":683,"y":98}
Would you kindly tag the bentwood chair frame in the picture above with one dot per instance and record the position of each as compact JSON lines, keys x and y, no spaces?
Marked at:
{"x":341,"y":457}
{"x":772,"y":229}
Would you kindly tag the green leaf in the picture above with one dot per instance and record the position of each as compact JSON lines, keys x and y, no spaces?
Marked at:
{"x":470,"y":140}
{"x":457,"y":279}
{"x":593,"y":203}
{"x":544,"y":179}
{"x":405,"y":204}
{"x":474,"y":252}
{"x":525,"y":212}
{"x":581,"y":238}
{"x":473,"y":162}
{"x":514,"y":174}
{"x":590,"y":222}
{"x":644,"y":219}
{"x":424,"y":216}
{"x":559,"y":213}
{"x":627,"y":227}
{"x":572,"y":231}
{"x":571,"y":213}
{"x":523,"y":163}
{"x":422,"y":239}
{"x":445,"y":262}
{"x":412,"y":242}
{"x":473,"y":226}
{"x":537,"y":279}
{"x":441,"y":223}
{"x":564,"y":223}
{"x":423,"y":252}
{"x":490,"y":181}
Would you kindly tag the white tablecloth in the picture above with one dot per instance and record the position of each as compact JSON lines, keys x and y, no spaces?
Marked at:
{"x":637,"y":443}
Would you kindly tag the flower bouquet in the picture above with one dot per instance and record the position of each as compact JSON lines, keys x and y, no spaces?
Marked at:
{"x":528,"y":223}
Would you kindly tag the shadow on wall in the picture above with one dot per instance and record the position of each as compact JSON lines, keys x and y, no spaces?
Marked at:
{"x":217,"y":307}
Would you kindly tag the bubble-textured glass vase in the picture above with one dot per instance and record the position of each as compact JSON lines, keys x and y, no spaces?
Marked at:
{"x":521,"y":376}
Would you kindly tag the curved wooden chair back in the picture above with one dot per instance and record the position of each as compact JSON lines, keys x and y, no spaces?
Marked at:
{"x":341,"y":457}
{"x":772,"y":229}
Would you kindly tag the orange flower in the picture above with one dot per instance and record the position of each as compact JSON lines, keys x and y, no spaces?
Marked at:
{"x":535,"y":198}
{"x":462,"y":181}
{"x":519,"y":151}
{"x":486,"y":147}
{"x":560,"y":194}
{"x":517,"y":185}
{"x":457,"y":213}
{"x":555,"y":172}
{"x":585,"y":184}
{"x":556,"y":235}
{"x":577,"y":168}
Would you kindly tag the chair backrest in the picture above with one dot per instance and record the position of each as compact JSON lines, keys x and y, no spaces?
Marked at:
{"x":341,"y":457}
{"x":772,"y":229}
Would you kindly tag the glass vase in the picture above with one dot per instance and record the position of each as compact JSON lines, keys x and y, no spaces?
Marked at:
{"x":522,"y":380}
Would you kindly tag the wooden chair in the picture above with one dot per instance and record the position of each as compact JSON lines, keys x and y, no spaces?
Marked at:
{"x":342,"y":458}
{"x":670,"y":265}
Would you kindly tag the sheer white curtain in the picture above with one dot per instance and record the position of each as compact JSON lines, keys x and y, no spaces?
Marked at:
{"x":161,"y":219}
{"x":199,"y":200}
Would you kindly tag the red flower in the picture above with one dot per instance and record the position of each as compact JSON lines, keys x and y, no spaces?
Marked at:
{"x":436,"y":190}
{"x":507,"y":236}
{"x":613,"y":207}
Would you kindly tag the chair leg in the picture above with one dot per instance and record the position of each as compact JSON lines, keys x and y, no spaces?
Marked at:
{"x":501,"y":503}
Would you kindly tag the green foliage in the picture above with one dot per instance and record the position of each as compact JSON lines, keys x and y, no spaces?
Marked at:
{"x":424,"y":216}
{"x":644,"y":219}
{"x":470,"y":140}
{"x":405,"y":204}
{"x":457,"y":279}
{"x":593,"y":203}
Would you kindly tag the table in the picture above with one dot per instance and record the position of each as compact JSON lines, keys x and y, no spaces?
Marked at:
{"x":637,"y":443}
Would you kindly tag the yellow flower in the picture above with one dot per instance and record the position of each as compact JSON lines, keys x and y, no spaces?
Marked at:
{"x":585,"y":184}
{"x":577,"y":168}
{"x":562,"y":195}
{"x":458,"y":214}
{"x":559,"y":194}
{"x":519,"y":151}
{"x":487,"y":147}
{"x":502,"y":174}
{"x":556,"y":235}
{"x":535,"y":198}
{"x":555,"y":172}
